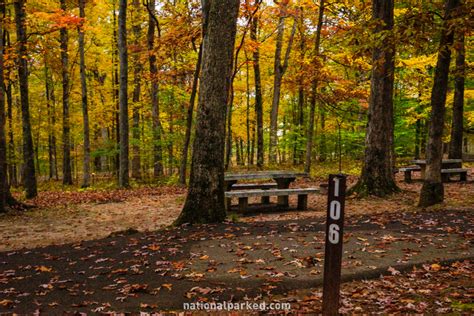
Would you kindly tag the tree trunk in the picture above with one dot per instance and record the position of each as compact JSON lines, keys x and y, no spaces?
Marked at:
{"x":279,"y":71}
{"x":189,"y":119}
{"x":247,"y":117}
{"x":258,"y":91}
{"x":205,"y":199}
{"x":455,"y":147}
{"x":11,"y":157}
{"x":432,"y":191}
{"x":123,"y":93}
{"x":67,"y":171}
{"x":314,"y":87}
{"x":115,"y":91}
{"x":228,"y":143}
{"x":155,"y":109}
{"x":322,"y":139}
{"x":377,"y":174}
{"x":85,"y":113}
{"x":29,"y":176}
{"x":4,"y":189}
{"x":12,"y":167}
{"x":137,"y":73}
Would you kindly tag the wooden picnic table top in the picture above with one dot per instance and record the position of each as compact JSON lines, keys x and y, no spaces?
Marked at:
{"x":444,"y":161}
{"x":264,"y":175}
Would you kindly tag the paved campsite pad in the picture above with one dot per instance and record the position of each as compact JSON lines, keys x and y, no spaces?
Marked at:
{"x":161,"y":270}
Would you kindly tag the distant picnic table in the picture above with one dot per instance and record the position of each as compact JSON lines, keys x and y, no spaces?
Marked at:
{"x":282,"y":179}
{"x":445,"y":164}
{"x":449,"y":167}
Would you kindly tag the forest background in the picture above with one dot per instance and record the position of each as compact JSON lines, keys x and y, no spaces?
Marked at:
{"x":299,"y":93}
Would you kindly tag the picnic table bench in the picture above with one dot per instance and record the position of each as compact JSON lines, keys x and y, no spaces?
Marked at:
{"x":445,"y":164}
{"x":407,"y":172}
{"x":445,"y":173}
{"x":279,"y":188}
{"x":243,"y":196}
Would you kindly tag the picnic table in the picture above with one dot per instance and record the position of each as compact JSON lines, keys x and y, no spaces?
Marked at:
{"x":283,"y":180}
{"x":445,"y":164}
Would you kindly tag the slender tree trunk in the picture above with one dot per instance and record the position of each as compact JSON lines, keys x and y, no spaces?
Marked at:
{"x":247,"y":83}
{"x":11,"y":156}
{"x":12,"y":167}
{"x":455,"y":147}
{"x":4,"y":188}
{"x":155,"y":109}
{"x":50,"y":126}
{"x":189,"y":119}
{"x":279,"y":71}
{"x":115,"y":88}
{"x":67,"y":171}
{"x":85,"y":112}
{"x":137,"y":73}
{"x":322,"y":139}
{"x":123,"y":94}
{"x":314,"y":87}
{"x":29,"y":176}
{"x":377,"y":174}
{"x":169,"y":144}
{"x":432,"y":191}
{"x":258,"y":91}
{"x":205,"y":199}
{"x":228,"y":144}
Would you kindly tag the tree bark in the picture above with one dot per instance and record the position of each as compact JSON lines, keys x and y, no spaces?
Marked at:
{"x":189,"y":119}
{"x":4,"y":189}
{"x":29,"y":176}
{"x":123,"y":94}
{"x":377,"y":174}
{"x":137,"y":73}
{"x":155,"y":109}
{"x":85,"y":112}
{"x":258,"y":90}
{"x":432,"y":191}
{"x":279,"y":71}
{"x":205,"y":199}
{"x":12,"y":166}
{"x":67,"y":171}
{"x":455,"y":147}
{"x":314,"y":87}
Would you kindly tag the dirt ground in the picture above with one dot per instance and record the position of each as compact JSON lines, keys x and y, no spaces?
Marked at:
{"x":65,"y":217}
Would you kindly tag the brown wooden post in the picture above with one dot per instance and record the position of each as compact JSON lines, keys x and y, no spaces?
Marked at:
{"x":334,"y":241}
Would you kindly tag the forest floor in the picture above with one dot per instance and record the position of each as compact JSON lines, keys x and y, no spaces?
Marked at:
{"x":111,"y":250}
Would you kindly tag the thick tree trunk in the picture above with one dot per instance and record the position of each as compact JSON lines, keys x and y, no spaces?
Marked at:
{"x":432,"y":191}
{"x":137,"y":73}
{"x":312,"y":101}
{"x":85,"y":112}
{"x":67,"y":171}
{"x":29,"y":176}
{"x":455,"y":147}
{"x":377,"y":174}
{"x":189,"y":119}
{"x":258,"y":91}
{"x":205,"y":199}
{"x":123,"y":94}
{"x":279,"y":70}
{"x":155,"y":109}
